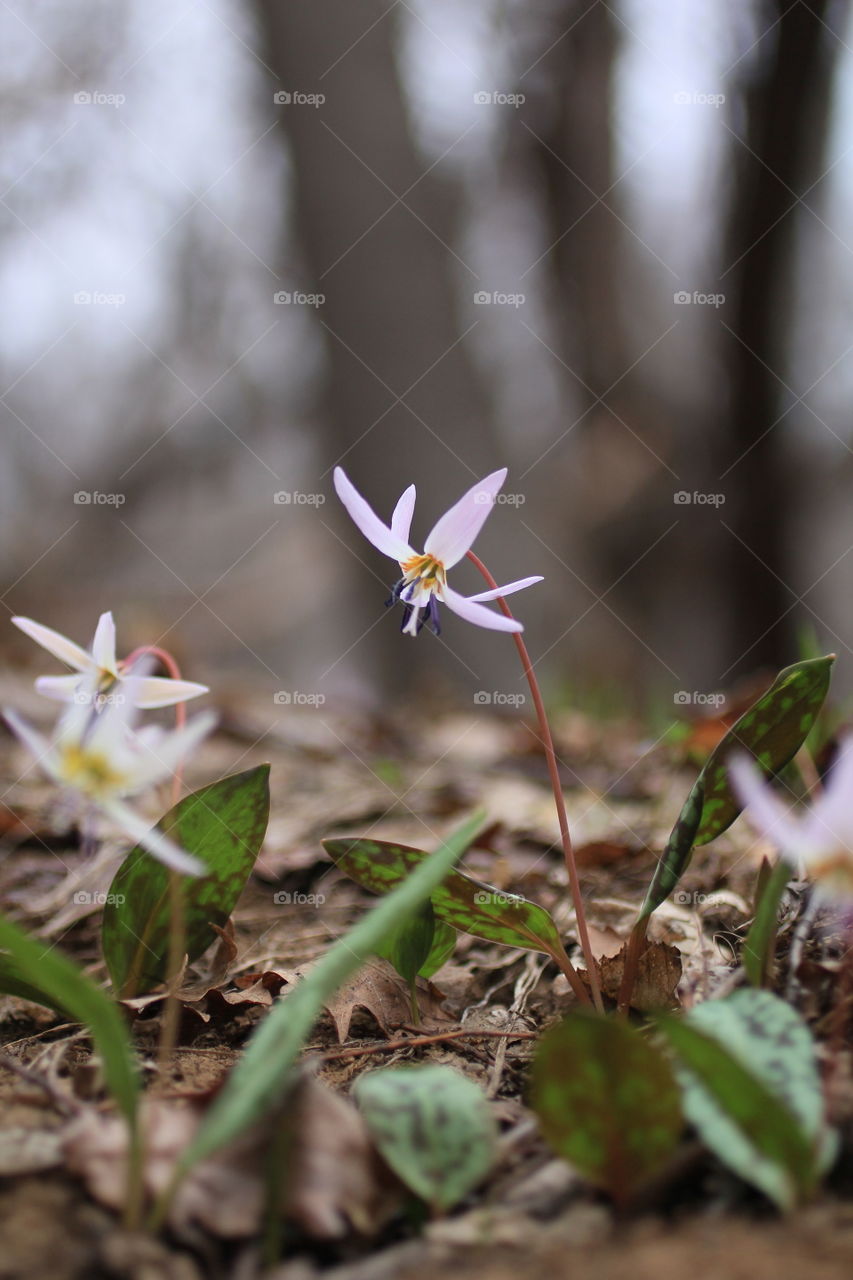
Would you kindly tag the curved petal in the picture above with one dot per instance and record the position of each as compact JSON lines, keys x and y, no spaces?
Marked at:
{"x":478,"y":613}
{"x":508,"y":589}
{"x":157,"y":691}
{"x":60,"y":646}
{"x":60,"y":688}
{"x":454,"y":534}
{"x":832,"y":810}
{"x":390,"y":544}
{"x":33,"y":741}
{"x":158,"y":758}
{"x":764,"y":809}
{"x":158,"y":845}
{"x":104,"y":644}
{"x":401,"y":520}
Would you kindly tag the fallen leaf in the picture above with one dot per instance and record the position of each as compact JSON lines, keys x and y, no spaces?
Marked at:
{"x":29,"y":1150}
{"x":378,"y":988}
{"x":658,"y":975}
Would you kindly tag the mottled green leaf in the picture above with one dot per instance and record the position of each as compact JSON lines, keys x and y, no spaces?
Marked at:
{"x":760,"y":944}
{"x":607,"y":1101}
{"x":751,"y":1088}
{"x":223,"y":825}
{"x":772,"y":731}
{"x":461,"y":901}
{"x":433,"y":1126}
{"x":420,"y":946}
{"x":264,"y":1072}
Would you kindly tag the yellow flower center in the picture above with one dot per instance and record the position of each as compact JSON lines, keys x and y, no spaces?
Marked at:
{"x":89,"y":771}
{"x":428,"y":572}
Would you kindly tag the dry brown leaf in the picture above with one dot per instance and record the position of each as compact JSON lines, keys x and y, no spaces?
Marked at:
{"x":378,"y":988}
{"x":29,"y":1150}
{"x":658,"y":975}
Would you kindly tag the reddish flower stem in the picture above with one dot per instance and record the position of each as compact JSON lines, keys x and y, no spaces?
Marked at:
{"x":547,"y":741}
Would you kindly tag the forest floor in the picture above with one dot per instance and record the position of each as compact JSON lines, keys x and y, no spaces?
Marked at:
{"x":345,"y":773}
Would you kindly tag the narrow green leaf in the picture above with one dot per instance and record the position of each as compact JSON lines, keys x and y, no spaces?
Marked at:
{"x":42,"y":973}
{"x":420,"y":946}
{"x":263,"y":1074}
{"x":461,"y":901}
{"x":754,"y":1099}
{"x":772,"y":731}
{"x":433,"y":1126}
{"x":607,"y":1101}
{"x":760,"y":944}
{"x":223,"y":825}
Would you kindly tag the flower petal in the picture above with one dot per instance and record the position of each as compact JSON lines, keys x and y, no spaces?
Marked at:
{"x":158,"y":845}
{"x":60,"y":688}
{"x":157,"y":691}
{"x":507,"y":590}
{"x":158,"y":758}
{"x":401,"y":520}
{"x":830,"y":820}
{"x":60,"y":646}
{"x":34,"y":741}
{"x":764,"y":809}
{"x":390,"y":544}
{"x":104,"y":644}
{"x":453,"y":535}
{"x":478,"y":613}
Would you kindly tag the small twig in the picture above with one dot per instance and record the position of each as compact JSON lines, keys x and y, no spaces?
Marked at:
{"x":409,"y":1042}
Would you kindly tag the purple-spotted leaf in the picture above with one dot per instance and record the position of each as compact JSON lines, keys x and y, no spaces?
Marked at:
{"x":223,"y":825}
{"x":772,"y":732}
{"x":607,"y":1101}
{"x":461,"y":901}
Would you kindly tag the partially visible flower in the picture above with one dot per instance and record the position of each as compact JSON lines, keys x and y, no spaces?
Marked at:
{"x":818,"y":843}
{"x":153,"y":691}
{"x":424,"y":580}
{"x":95,"y":754}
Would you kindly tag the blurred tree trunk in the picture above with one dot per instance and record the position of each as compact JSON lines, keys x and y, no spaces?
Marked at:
{"x":776,"y":159}
{"x":375,"y":232}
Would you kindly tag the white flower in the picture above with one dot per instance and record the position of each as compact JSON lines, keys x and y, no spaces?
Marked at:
{"x":154,"y":691}
{"x":820,"y":842}
{"x":95,"y":753}
{"x":424,"y":580}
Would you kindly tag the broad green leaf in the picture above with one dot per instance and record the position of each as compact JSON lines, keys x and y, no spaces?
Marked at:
{"x":433,"y":1126}
{"x":223,"y":825}
{"x":607,"y":1101}
{"x":420,"y":946}
{"x":461,"y":901}
{"x":760,"y":944}
{"x":772,"y":731}
{"x":41,"y":973}
{"x":751,"y":1088}
{"x":263,"y":1074}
